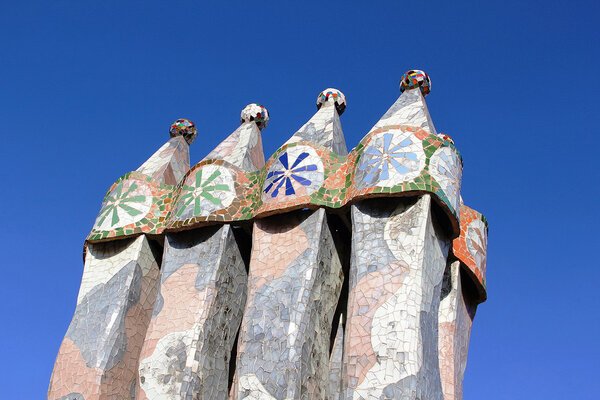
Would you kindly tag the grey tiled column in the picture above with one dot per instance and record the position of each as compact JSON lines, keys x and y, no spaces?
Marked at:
{"x":398,"y":260}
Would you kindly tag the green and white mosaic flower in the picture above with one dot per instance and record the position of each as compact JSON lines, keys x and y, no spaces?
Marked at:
{"x":128,"y":202}
{"x":209,"y":189}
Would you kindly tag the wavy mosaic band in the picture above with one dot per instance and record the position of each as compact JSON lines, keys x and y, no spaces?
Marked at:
{"x":134,"y":204}
{"x":391,"y":160}
{"x":357,"y":294}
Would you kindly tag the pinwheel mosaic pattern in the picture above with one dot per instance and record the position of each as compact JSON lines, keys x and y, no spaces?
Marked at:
{"x":446,"y":169}
{"x":128,"y":202}
{"x":389,"y":159}
{"x":209,"y":189}
{"x":297,"y":171}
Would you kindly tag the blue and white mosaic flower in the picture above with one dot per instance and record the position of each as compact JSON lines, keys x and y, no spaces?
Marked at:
{"x":297,"y":171}
{"x":390,"y":158}
{"x":446,"y":168}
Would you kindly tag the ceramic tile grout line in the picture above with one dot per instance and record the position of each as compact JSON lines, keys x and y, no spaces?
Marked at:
{"x":399,"y":253}
{"x":98,"y":357}
{"x":203,"y":279}
{"x":349,"y":275}
{"x":295,"y":274}
{"x":463,"y":289}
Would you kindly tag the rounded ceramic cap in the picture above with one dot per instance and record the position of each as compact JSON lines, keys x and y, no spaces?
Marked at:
{"x":415,"y":78}
{"x":184,"y":127}
{"x":445,"y":137}
{"x":332,"y":95}
{"x":257,"y":113}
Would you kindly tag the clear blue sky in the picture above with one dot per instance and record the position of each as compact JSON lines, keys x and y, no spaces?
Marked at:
{"x":89,"y":89}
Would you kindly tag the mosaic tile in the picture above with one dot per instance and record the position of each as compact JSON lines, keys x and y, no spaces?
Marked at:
{"x":389,"y":159}
{"x":313,"y":169}
{"x":397,"y":265}
{"x":459,"y":301}
{"x":243,"y":148}
{"x":457,"y":310}
{"x":446,"y":168}
{"x":445,"y":137}
{"x":294,"y":282}
{"x":401,"y":155}
{"x":257,"y":113}
{"x":318,"y":273}
{"x":414,"y":79}
{"x":194,"y":323}
{"x":336,"y":364}
{"x":295,"y":275}
{"x":334,"y":95}
{"x":99,"y":354}
{"x":202,"y":294}
{"x":471,"y":247}
{"x":224,"y":186}
{"x":184,"y":128}
{"x":298,"y":171}
{"x":209,"y":189}
{"x":134,"y":204}
{"x":170,"y":163}
{"x":139,"y":202}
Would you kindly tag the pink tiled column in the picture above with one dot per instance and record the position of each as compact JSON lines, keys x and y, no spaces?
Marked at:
{"x":99,"y":355}
{"x":98,"y":358}
{"x":196,"y":317}
{"x":457,"y":310}
{"x":189,"y":343}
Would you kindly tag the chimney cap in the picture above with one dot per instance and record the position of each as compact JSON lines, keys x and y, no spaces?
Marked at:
{"x":257,"y":113}
{"x":334,"y":95}
{"x":415,"y":78}
{"x":184,"y":127}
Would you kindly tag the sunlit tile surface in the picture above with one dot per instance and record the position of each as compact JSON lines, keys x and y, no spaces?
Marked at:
{"x":317,"y":273}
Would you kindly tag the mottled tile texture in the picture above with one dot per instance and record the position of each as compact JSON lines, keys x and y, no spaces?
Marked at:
{"x":99,"y":354}
{"x":295,"y":271}
{"x":400,"y":156}
{"x":318,"y":274}
{"x":195,"y":318}
{"x":202,"y":294}
{"x":336,"y":363}
{"x":471,"y":247}
{"x":169,"y":163}
{"x":398,"y":260}
{"x":457,"y":310}
{"x":293,"y":286}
